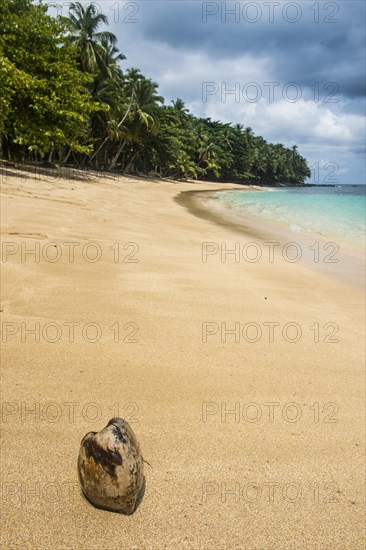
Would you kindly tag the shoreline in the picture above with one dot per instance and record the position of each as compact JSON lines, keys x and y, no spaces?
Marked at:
{"x":351,"y":260}
{"x":45,"y":166}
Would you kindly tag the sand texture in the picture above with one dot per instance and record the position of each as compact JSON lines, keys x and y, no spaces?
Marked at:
{"x":252,"y":444}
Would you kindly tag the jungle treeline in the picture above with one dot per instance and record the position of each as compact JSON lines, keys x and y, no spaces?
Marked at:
{"x":65,"y":98}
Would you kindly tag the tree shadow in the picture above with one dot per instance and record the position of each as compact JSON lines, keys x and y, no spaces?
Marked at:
{"x":51,"y":172}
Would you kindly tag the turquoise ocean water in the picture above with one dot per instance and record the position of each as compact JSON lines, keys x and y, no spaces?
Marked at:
{"x":327,"y":211}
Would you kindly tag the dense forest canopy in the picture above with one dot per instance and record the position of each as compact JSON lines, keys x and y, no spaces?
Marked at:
{"x":65,"y":97}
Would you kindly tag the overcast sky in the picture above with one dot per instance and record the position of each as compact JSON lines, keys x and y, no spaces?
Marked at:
{"x":295,"y":70}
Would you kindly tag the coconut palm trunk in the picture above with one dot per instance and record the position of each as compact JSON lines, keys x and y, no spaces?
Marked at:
{"x":131,"y":163}
{"x":66,"y":158}
{"x":118,"y":126}
{"x":120,"y":148}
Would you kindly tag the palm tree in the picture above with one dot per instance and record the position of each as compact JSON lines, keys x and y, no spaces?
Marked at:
{"x":118,"y":134}
{"x":118,"y":108}
{"x":181,"y":110}
{"x":133,"y":75}
{"x":180,"y":106}
{"x":110,"y":57}
{"x":145,"y":108}
{"x":260,"y":158}
{"x":84,"y":22}
{"x":128,"y":84}
{"x":143,"y":115}
{"x":208,"y":152}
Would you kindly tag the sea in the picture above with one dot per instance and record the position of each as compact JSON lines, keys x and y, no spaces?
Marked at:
{"x":330,"y":212}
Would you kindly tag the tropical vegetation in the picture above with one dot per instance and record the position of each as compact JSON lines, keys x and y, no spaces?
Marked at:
{"x":64,"y":98}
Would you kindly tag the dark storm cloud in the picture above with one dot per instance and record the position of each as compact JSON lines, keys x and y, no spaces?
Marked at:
{"x":326,"y":43}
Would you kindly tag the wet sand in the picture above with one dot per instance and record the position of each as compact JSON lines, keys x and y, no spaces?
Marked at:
{"x":335,"y":257}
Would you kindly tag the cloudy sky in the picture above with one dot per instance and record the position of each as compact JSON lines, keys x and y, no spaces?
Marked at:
{"x":292,"y":71}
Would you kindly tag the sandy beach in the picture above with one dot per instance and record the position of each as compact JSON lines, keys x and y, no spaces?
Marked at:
{"x":243,"y":381}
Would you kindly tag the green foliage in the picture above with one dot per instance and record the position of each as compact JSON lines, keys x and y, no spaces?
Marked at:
{"x":47,"y":102}
{"x":203,"y":148}
{"x":62,"y":88}
{"x":96,"y":50}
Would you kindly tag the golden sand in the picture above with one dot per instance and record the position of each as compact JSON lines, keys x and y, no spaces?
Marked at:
{"x":254,"y":436}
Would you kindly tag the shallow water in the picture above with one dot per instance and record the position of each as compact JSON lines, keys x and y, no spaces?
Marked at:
{"x":332,"y":212}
